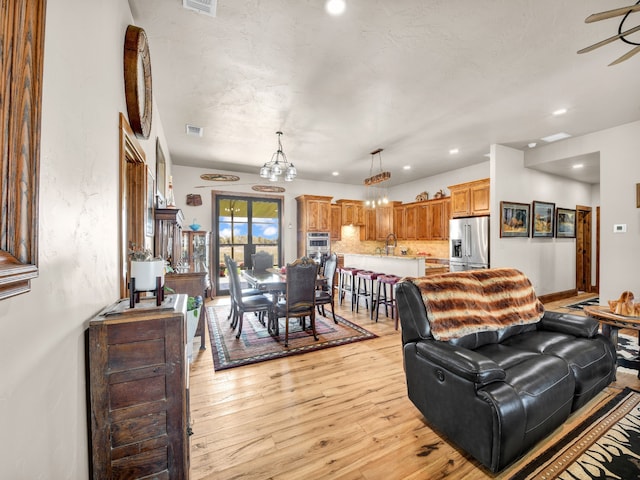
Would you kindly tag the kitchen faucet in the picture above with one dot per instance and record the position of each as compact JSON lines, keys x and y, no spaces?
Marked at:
{"x":391,"y":236}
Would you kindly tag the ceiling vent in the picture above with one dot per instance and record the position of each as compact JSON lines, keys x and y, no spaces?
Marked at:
{"x":208,"y":7}
{"x":194,"y":131}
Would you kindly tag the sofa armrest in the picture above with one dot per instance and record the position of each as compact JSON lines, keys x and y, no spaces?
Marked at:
{"x":575,"y":325}
{"x":460,"y":361}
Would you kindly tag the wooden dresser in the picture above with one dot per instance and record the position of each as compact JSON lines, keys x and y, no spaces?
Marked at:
{"x":138,"y":380}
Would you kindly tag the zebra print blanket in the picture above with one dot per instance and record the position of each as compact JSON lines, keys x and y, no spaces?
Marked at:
{"x":462,"y":303}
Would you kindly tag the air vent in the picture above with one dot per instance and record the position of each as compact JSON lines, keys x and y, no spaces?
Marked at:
{"x":208,"y":7}
{"x":194,"y":131}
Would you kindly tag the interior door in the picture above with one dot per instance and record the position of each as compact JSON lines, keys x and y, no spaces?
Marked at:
{"x":244,"y":225}
{"x":583,"y":248}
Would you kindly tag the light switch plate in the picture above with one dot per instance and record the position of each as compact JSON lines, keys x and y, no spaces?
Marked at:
{"x":620,"y":228}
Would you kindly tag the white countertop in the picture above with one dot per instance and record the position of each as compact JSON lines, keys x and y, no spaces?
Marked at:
{"x":401,"y":265}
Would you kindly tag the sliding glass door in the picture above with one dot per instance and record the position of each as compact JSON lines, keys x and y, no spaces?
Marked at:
{"x":243,"y":226}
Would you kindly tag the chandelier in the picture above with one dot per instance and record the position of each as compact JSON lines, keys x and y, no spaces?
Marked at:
{"x":278,"y":165}
{"x":376,"y":191}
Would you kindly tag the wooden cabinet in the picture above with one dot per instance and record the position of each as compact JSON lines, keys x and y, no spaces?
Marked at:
{"x":314,"y":215}
{"x":353,"y":212}
{"x":336,"y":223}
{"x":384,"y":221}
{"x":370,"y":229}
{"x":437,"y":219}
{"x":399,"y":222}
{"x":470,"y":199}
{"x":168,"y":234}
{"x":427,"y":220}
{"x":138,"y":379}
{"x":193,"y":283}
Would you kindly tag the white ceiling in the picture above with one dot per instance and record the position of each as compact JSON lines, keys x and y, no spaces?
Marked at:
{"x":414,"y":77}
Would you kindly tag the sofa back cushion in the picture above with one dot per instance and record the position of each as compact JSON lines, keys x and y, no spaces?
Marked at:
{"x":464,"y":303}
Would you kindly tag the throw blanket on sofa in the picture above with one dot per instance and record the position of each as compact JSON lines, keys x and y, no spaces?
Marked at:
{"x":461,"y":303}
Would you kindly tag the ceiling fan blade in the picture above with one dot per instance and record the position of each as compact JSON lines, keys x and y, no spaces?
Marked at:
{"x":609,"y":40}
{"x":616,"y":12}
{"x":626,"y":56}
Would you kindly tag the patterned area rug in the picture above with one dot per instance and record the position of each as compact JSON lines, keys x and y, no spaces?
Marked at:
{"x":256,"y":345}
{"x":590,"y":302}
{"x":605,"y":446}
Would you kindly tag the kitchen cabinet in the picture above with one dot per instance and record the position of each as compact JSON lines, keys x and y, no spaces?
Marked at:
{"x":138,"y":390}
{"x":336,"y":222}
{"x":314,"y":215}
{"x":427,"y":220}
{"x":437,"y":219}
{"x":370,"y":229}
{"x":411,"y":221}
{"x":353,"y":212}
{"x":470,"y":199}
{"x":398,"y":222}
{"x":384,"y":221}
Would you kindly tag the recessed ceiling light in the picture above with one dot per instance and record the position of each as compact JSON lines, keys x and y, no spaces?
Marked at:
{"x":335,"y":174}
{"x":453,"y":151}
{"x":335,"y":7}
{"x":555,"y":137}
{"x":532,"y":145}
{"x":578,"y":165}
{"x":407,"y":167}
{"x":560,"y":111}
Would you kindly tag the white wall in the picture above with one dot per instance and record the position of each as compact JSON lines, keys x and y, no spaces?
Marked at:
{"x":42,"y":387}
{"x":619,"y":149}
{"x":548,"y":262}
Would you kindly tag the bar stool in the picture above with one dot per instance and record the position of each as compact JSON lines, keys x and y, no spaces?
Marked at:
{"x":387,"y":300}
{"x":364,"y":288}
{"x":346,"y":282}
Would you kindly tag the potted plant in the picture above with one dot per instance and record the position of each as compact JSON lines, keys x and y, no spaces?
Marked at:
{"x":145,"y":268}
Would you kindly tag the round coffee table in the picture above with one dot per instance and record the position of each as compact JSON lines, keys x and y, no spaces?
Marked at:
{"x":611,"y":324}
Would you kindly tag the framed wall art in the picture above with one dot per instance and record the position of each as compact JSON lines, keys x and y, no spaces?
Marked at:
{"x":565,"y":223}
{"x":150,"y":204}
{"x":542,"y":219}
{"x":514,"y":219}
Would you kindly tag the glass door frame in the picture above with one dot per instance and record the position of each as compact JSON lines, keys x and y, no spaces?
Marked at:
{"x":215,"y":240}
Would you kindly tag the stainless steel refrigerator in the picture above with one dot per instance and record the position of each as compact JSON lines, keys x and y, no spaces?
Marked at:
{"x":468,"y":243}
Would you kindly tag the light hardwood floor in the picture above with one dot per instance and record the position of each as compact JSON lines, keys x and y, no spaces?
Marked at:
{"x":340,"y":413}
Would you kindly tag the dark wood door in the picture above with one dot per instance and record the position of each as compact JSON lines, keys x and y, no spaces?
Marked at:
{"x":583,"y":248}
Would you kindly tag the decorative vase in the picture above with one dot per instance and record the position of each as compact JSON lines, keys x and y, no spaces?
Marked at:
{"x":145,"y":274}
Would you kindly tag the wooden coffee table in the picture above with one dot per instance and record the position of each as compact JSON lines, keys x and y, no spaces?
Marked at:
{"x":611,"y":324}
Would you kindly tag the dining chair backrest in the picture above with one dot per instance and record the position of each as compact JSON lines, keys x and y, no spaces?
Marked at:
{"x":234,"y":279}
{"x":262,"y":260}
{"x":330,"y":266}
{"x":301,"y":284}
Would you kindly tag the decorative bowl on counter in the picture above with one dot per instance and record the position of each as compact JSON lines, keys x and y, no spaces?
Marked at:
{"x":195,"y":227}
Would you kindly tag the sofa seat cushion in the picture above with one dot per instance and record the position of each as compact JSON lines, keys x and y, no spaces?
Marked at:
{"x":536,"y":395}
{"x":538,"y":341}
{"x":505,"y":356}
{"x":463,"y":303}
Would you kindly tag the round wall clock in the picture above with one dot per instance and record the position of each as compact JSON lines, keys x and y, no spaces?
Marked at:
{"x":137,"y":81}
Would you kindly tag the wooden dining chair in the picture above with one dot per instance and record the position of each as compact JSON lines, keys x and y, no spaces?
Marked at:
{"x":300,"y":297}
{"x":325,"y":296}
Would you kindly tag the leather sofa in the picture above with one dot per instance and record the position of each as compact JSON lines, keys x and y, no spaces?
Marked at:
{"x":496,"y":392}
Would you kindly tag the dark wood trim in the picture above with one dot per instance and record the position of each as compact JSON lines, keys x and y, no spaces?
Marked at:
{"x":555,"y":296}
{"x":21,"y":65}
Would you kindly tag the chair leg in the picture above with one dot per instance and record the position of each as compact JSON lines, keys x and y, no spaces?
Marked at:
{"x":333,"y":311}
{"x":313,"y":324}
{"x":286,"y":332}
{"x":240,"y":317}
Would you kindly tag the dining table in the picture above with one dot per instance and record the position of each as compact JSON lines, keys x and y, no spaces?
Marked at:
{"x":274,"y":282}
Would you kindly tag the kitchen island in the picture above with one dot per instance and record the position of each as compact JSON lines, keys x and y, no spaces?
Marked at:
{"x":401,"y":265}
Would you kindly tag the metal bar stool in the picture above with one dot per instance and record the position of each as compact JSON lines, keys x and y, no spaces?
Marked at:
{"x":346,"y":282}
{"x":387,"y":300}
{"x":364,"y":288}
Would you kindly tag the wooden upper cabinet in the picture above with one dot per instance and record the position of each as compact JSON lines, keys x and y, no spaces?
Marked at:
{"x":336,"y":222}
{"x":353,"y":212}
{"x":370,"y":229}
{"x":410,"y":222}
{"x":399,"y":222}
{"x":470,"y":199}
{"x":437,"y":220}
{"x":385,"y":223}
{"x":314,"y":213}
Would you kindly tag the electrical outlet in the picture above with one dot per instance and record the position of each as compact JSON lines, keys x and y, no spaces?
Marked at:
{"x":620,"y":228}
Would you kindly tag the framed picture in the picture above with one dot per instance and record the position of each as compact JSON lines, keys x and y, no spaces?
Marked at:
{"x":149,"y":207}
{"x":161,"y":176}
{"x":565,"y":223}
{"x":514,"y":219}
{"x":542,"y":220}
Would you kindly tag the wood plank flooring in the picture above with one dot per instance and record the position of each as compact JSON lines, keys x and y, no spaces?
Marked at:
{"x":340,"y":413}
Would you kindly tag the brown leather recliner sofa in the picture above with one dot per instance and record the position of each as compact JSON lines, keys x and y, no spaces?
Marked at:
{"x":489,"y":368}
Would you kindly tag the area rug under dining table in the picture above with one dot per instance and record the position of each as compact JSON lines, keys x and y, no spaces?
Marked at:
{"x":257,"y":345}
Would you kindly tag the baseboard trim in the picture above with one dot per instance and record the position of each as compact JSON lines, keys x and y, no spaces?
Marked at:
{"x":554,"y":297}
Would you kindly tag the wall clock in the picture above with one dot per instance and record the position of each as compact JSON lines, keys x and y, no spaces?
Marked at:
{"x":137,"y":81}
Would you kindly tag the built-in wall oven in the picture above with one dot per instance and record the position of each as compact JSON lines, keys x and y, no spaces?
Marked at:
{"x":318,"y":246}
